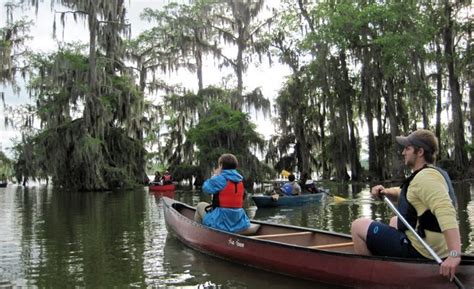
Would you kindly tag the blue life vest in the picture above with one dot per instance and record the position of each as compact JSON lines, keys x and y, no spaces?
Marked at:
{"x":427,"y":221}
{"x":287,"y":189}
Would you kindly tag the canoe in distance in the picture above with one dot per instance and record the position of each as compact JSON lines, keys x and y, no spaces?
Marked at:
{"x":269,"y":202}
{"x":307,"y":253}
{"x":161,"y":188}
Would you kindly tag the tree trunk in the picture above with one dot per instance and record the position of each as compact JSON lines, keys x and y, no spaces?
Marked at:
{"x":439,"y":88}
{"x":424,"y":97}
{"x":198,"y":56}
{"x":143,"y":73}
{"x":397,"y":170}
{"x":349,"y":95}
{"x":322,"y":53}
{"x":471,"y":106}
{"x":381,"y":152}
{"x":326,"y":173}
{"x":111,"y":33}
{"x":302,"y":151}
{"x":367,"y":98}
{"x":239,"y":71}
{"x":460,"y":156}
{"x":340,"y":121}
{"x":339,"y":145}
{"x":93,"y":102}
{"x":470,"y":77}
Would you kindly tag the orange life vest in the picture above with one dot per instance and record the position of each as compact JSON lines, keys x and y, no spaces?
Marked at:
{"x":231,"y":196}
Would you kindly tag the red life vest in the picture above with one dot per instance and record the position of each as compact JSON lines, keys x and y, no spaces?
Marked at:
{"x":231,"y":196}
{"x":166,"y":177}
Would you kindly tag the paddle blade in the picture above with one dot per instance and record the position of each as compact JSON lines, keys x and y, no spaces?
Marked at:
{"x":285,"y":173}
{"x":339,"y":199}
{"x":336,"y":198}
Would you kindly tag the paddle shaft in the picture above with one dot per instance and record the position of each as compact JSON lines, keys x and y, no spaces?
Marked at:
{"x":427,"y":247}
{"x":333,"y":196}
{"x":327,"y":193}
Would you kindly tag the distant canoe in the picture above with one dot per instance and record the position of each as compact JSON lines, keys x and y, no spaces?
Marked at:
{"x":3,"y":185}
{"x":311,"y":254}
{"x":268,"y":201}
{"x":162,"y":188}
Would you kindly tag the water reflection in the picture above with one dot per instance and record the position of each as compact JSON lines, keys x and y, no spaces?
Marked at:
{"x":83,"y":239}
{"x":119,"y":239}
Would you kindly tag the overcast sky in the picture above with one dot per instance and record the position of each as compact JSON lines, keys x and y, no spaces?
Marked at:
{"x":268,"y":79}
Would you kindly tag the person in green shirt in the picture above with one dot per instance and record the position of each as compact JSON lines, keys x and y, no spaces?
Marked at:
{"x":426,"y":200}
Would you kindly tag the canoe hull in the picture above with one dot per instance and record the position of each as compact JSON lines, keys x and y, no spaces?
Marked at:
{"x":3,"y":185}
{"x":319,"y":265}
{"x":162,"y":188}
{"x":269,"y":202}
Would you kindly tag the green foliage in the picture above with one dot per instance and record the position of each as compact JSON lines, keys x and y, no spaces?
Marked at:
{"x":78,"y":161}
{"x":6,"y":166}
{"x":65,"y":149}
{"x":221,"y":130}
{"x":224,"y":130}
{"x":470,"y":149}
{"x":186,"y":172}
{"x":241,"y":24}
{"x":184,"y":111}
{"x":12,"y":50}
{"x":392,"y":52}
{"x":184,"y":36}
{"x":353,"y":62}
{"x":123,"y":100}
{"x":125,"y":159}
{"x":27,"y":160}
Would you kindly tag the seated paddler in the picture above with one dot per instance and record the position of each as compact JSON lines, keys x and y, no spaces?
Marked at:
{"x":227,"y":189}
{"x":291,"y":188}
{"x":426,"y":200}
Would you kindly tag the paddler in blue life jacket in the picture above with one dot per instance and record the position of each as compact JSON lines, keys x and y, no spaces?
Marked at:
{"x":426,"y":200}
{"x":227,"y":190}
{"x":291,"y":188}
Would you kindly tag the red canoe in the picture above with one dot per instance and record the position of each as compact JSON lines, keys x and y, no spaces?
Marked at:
{"x":162,"y":188}
{"x":311,"y":254}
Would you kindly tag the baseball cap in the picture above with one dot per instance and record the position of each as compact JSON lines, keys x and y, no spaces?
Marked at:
{"x":420,"y":138}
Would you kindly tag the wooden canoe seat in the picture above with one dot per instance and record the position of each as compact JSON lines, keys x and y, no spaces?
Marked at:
{"x":281,"y":235}
{"x":330,"y":246}
{"x":250,"y":230}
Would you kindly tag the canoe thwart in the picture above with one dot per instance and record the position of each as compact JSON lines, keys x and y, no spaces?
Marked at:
{"x":329,"y":246}
{"x":280,"y":235}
